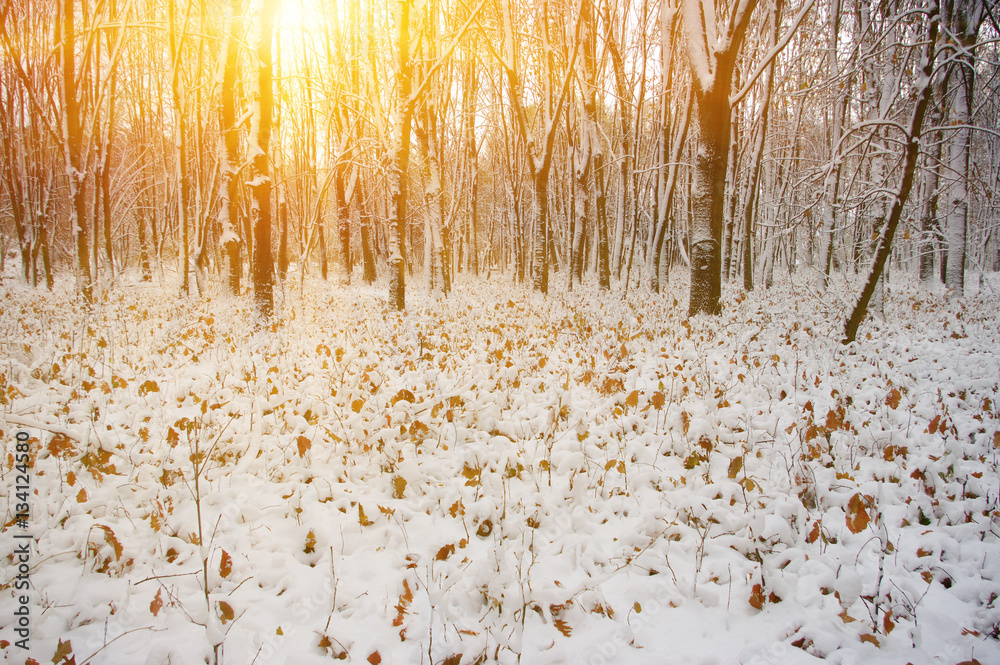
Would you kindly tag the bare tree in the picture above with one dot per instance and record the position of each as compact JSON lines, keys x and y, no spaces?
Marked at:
{"x":962,"y":19}
{"x":714,"y":40}
{"x":74,"y":147}
{"x":911,"y":152}
{"x":229,"y":157}
{"x":401,"y":159}
{"x":260,"y":141}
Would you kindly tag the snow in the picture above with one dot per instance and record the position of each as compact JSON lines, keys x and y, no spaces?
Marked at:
{"x":699,"y":28}
{"x":254,"y":149}
{"x":580,"y":478}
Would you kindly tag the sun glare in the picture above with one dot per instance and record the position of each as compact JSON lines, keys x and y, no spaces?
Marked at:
{"x":297,"y":15}
{"x":300,"y":23}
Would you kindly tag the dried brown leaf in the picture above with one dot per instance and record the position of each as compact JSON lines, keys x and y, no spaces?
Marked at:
{"x":157,"y":604}
{"x":226,"y":613}
{"x":225,"y":565}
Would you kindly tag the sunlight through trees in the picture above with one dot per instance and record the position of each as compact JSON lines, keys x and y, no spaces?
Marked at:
{"x":628,"y":142}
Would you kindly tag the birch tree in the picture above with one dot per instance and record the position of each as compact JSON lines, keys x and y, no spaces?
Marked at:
{"x":962,"y":19}
{"x":400,"y":159}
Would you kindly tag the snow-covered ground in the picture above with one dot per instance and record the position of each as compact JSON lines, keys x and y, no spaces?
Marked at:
{"x":503,"y":477}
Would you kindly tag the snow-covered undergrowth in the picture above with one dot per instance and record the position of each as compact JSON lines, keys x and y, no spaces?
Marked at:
{"x":502,"y":477}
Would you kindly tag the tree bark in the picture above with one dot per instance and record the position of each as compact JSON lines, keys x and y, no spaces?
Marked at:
{"x":712,"y":71}
{"x":260,"y":140}
{"x":229,"y":210}
{"x":73,"y":139}
{"x":401,"y":162}
{"x":180,"y":149}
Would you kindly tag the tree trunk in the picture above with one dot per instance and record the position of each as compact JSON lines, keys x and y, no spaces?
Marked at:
{"x":928,"y":217}
{"x":912,"y":151}
{"x":665,"y":211}
{"x":401,"y":162}
{"x":712,"y":73}
{"x":832,"y":184}
{"x":964,"y":18}
{"x":959,"y":143}
{"x":180,"y":150}
{"x":229,"y":209}
{"x":472,"y":161}
{"x":750,"y":211}
{"x":367,"y":241}
{"x":709,"y":197}
{"x":260,"y":140}
{"x":540,"y":260}
{"x":75,"y":167}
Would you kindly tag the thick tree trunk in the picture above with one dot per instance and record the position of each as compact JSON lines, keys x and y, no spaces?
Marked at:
{"x":964,"y":19}
{"x":712,"y":71}
{"x":709,"y":198}
{"x":367,"y":240}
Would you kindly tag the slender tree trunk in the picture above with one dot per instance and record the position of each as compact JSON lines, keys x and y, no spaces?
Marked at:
{"x":540,"y":260}
{"x":832,"y":184}
{"x":957,"y":218}
{"x":732,"y":176}
{"x":665,"y":212}
{"x":229,"y":210}
{"x":180,"y":149}
{"x":472,"y":161}
{"x":343,"y":225}
{"x":75,"y":167}
{"x":912,"y":151}
{"x":622,"y":89}
{"x":260,"y":140}
{"x":401,"y":162}
{"x":107,"y":147}
{"x":928,"y":217}
{"x":283,"y":239}
{"x":367,"y":241}
{"x":750,"y":211}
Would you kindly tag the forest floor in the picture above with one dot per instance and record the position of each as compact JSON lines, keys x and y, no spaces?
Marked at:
{"x":503,"y":477}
